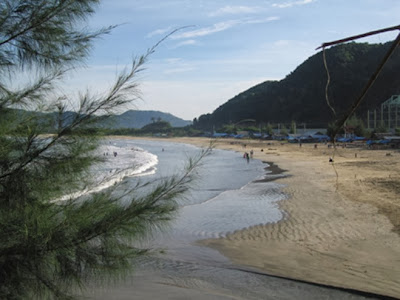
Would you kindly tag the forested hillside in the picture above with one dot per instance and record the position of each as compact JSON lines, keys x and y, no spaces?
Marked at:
{"x":300,"y":96}
{"x":131,"y":119}
{"x":140,"y":118}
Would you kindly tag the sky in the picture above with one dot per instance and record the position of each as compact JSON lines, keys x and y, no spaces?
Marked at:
{"x":223,"y":47}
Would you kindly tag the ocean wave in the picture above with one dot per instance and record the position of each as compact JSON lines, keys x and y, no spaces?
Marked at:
{"x":120,"y":162}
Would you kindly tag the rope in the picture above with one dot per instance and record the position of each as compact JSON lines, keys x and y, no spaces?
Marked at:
{"x":327,"y":82}
{"x":357,"y":102}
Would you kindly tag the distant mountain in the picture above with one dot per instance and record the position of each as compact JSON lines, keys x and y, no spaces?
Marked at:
{"x":140,"y":118}
{"x":130,"y":119}
{"x":300,"y":96}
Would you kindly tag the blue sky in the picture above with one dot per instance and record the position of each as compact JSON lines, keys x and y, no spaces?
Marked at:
{"x":229,"y":47}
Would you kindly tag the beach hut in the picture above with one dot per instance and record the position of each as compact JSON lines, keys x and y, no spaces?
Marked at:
{"x":392,"y":141}
{"x":320,"y":138}
{"x":256,"y":135}
{"x":344,"y":140}
{"x":220,"y":135}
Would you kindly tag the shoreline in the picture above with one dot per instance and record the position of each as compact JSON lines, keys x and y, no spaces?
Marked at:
{"x":342,"y":220}
{"x":275,"y":172}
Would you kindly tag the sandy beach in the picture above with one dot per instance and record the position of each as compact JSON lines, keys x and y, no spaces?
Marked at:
{"x":342,"y":219}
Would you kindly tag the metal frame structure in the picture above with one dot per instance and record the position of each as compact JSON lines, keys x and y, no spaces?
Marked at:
{"x":388,"y":115}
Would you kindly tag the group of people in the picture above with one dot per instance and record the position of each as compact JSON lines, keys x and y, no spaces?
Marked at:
{"x":114,"y":153}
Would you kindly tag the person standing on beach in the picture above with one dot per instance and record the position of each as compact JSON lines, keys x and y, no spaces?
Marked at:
{"x":247,"y":157}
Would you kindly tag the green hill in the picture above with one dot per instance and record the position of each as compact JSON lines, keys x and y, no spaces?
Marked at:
{"x":140,"y":118}
{"x":131,"y":119}
{"x":300,"y":96}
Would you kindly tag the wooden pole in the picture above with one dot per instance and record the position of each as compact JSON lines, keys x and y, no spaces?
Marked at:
{"x":355,"y":37}
{"x":371,"y":81}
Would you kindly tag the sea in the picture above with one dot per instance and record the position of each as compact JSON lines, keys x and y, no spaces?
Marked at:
{"x":227,"y":194}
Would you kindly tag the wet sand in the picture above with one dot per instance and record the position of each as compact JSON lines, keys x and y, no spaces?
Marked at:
{"x":342,"y":219}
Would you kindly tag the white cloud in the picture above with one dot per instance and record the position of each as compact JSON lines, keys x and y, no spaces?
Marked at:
{"x":282,"y":43}
{"x":259,"y":21}
{"x":173,"y":60}
{"x":233,"y":10}
{"x":161,"y":31}
{"x":221,"y":26}
{"x":186,"y":43}
{"x":218,"y":27}
{"x":292,"y":3}
{"x":179,"y":70}
{"x":173,"y":65}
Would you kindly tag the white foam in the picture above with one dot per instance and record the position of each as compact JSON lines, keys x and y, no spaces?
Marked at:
{"x":126,"y":162}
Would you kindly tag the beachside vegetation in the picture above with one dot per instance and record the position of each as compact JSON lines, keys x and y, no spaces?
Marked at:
{"x":53,"y":245}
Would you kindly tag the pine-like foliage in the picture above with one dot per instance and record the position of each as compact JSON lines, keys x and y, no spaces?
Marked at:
{"x":49,"y":247}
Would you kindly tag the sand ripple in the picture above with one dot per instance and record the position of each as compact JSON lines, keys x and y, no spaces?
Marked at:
{"x":339,"y":231}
